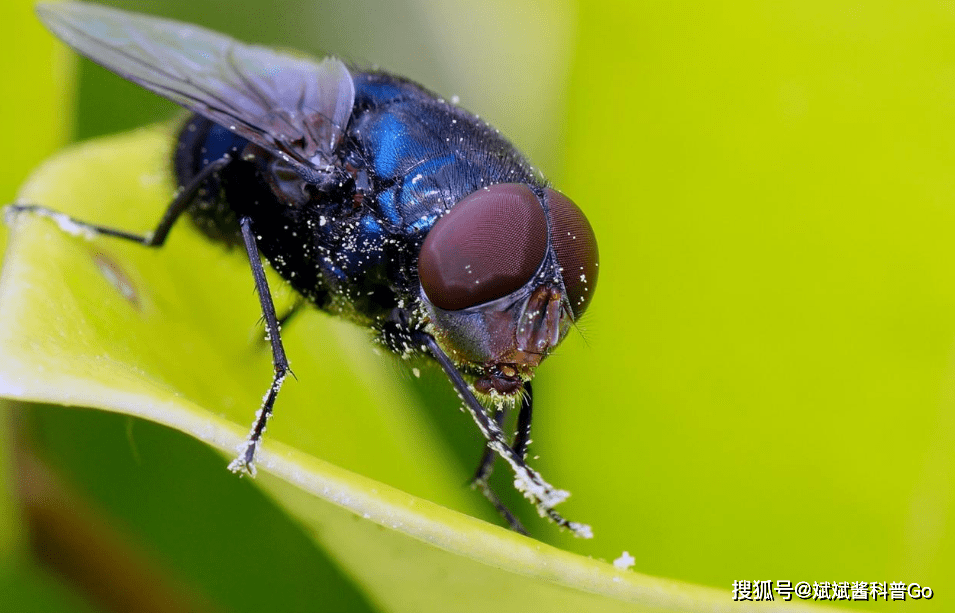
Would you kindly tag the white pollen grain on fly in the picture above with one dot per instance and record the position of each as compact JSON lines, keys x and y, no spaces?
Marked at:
{"x":527,"y":480}
{"x":581,"y":530}
{"x":416,"y":372}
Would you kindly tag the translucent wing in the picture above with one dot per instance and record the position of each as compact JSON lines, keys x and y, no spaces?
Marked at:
{"x":288,"y":105}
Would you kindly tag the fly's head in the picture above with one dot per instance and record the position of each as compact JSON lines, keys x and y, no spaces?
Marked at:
{"x":504,"y":274}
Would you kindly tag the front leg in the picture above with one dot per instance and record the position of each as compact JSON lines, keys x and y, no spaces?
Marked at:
{"x":483,"y":472}
{"x":544,"y":495}
{"x":402,"y":338}
{"x":522,"y":435}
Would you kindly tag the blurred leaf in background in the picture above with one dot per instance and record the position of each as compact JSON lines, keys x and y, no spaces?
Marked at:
{"x":763,"y":386}
{"x":766,"y":390}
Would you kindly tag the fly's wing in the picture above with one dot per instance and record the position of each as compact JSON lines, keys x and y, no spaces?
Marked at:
{"x":288,"y":105}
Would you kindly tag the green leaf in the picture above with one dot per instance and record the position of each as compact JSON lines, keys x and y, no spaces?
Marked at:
{"x":26,"y":588}
{"x":167,"y":335}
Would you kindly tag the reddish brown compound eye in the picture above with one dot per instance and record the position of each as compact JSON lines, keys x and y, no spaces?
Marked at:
{"x":488,"y":246}
{"x":576,"y":248}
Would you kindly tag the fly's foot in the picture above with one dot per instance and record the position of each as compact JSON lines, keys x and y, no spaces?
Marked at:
{"x":245,"y":463}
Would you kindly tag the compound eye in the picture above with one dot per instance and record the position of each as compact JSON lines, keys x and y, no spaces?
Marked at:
{"x":489,"y":245}
{"x":576,"y":248}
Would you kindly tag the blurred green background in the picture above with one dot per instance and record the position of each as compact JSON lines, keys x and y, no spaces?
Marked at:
{"x":764,"y":386}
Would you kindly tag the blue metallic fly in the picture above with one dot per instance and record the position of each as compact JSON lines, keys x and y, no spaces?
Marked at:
{"x":376,"y":200}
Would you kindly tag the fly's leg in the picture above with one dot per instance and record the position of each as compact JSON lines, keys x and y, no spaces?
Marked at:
{"x":156,"y":238}
{"x":486,"y":465}
{"x":280,"y":366}
{"x":544,"y":495}
{"x":482,"y":474}
{"x":511,"y":519}
{"x":522,"y":436}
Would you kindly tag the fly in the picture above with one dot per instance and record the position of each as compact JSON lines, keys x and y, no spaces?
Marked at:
{"x":376,"y":201}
